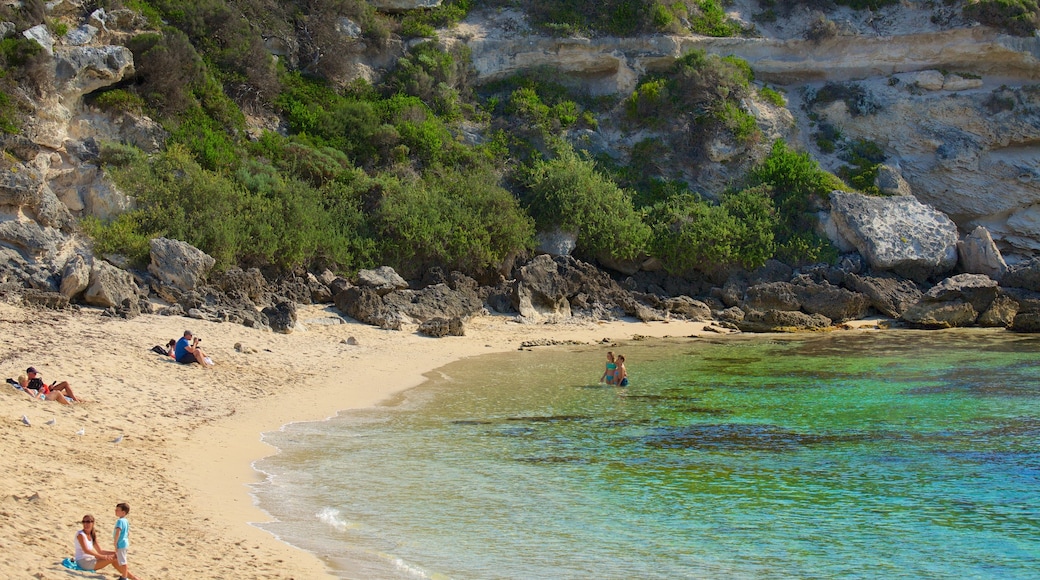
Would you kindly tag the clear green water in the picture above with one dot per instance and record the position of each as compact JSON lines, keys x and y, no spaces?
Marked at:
{"x":846,"y":455}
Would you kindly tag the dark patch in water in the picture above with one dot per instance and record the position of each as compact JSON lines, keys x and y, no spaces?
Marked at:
{"x":733,"y":436}
{"x":551,"y":418}
{"x":552,"y":459}
{"x":516,"y":432}
{"x":470,"y":422}
{"x":709,"y":411}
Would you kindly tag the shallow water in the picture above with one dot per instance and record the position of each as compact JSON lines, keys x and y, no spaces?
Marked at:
{"x":845,"y":455}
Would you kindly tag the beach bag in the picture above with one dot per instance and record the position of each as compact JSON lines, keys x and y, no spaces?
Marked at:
{"x":160,"y":350}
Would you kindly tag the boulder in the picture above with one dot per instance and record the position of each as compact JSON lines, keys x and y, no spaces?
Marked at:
{"x":109,"y":286}
{"x":437,"y":301}
{"x":383,"y":279}
{"x":42,"y":36}
{"x":542,"y":290}
{"x":888,"y":295}
{"x":438,"y":327}
{"x":1025,"y":275}
{"x":890,"y":181}
{"x":75,"y":276}
{"x":364,"y":304}
{"x":1028,"y":317}
{"x":1000,"y":314}
{"x":951,"y":314}
{"x":24,"y":188}
{"x":249,"y":283}
{"x":556,"y":242}
{"x":687,"y":308}
{"x":52,"y":300}
{"x":781,"y":321}
{"x":978,"y":290}
{"x":834,"y":302}
{"x":899,"y":234}
{"x":281,"y":317}
{"x":179,"y":264}
{"x":980,"y":255}
{"x":772,"y":296}
{"x":83,"y":69}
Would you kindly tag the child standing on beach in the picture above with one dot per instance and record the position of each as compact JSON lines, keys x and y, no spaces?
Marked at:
{"x":121,"y":537}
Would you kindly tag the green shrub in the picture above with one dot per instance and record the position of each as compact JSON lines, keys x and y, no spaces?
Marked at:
{"x":119,"y":101}
{"x":568,"y":193}
{"x":122,"y":235}
{"x":798,"y":184}
{"x":692,"y":234}
{"x":459,"y":219}
{"x":435,"y":75}
{"x":1017,"y":17}
{"x":772,"y":96}
{"x":710,"y":19}
{"x":865,"y":159}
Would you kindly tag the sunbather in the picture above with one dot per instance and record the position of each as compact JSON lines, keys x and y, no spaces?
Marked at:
{"x":35,"y":386}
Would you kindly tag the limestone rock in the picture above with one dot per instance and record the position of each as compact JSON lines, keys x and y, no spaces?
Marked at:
{"x":42,"y":36}
{"x":83,"y":69}
{"x":772,"y":296}
{"x":439,"y":327}
{"x":979,"y":255}
{"x":927,"y":314}
{"x":837,"y":304}
{"x":890,"y":181}
{"x":109,"y":286}
{"x":687,"y":307}
{"x":383,"y":279}
{"x":781,"y":321}
{"x":887,"y":294}
{"x":978,"y":290}
{"x":557,"y":242}
{"x":1025,"y":275}
{"x":899,"y":234}
{"x":281,"y":317}
{"x":178,"y":263}
{"x":541,"y":290}
{"x":75,"y":277}
{"x":1000,"y":314}
{"x":437,"y":301}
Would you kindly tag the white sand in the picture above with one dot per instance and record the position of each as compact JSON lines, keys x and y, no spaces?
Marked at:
{"x":191,"y":434}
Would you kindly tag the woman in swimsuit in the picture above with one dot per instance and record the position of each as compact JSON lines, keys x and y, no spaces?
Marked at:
{"x":608,"y":375}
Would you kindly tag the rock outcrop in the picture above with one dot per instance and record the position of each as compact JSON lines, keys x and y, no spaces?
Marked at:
{"x":899,"y":234}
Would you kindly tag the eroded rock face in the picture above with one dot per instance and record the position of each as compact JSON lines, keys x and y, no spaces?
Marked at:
{"x":178,"y":263}
{"x":109,"y":286}
{"x":899,"y":234}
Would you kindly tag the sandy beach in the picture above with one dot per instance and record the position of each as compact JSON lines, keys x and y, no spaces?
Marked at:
{"x":190,"y":435}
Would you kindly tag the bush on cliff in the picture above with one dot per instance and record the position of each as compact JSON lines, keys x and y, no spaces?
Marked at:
{"x":1017,"y":17}
{"x":692,"y":234}
{"x":567,"y":192}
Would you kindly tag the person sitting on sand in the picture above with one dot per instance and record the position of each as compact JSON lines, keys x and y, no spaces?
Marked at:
{"x":32,"y":384}
{"x":88,"y":555}
{"x":187,"y":351}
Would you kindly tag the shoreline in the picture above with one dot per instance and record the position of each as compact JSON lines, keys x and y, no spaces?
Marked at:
{"x":192,"y":436}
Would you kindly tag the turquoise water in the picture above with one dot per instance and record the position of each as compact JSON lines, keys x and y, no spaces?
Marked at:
{"x":846,"y":455}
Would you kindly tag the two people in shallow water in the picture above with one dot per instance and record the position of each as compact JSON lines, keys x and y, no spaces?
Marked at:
{"x":616,"y":373}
